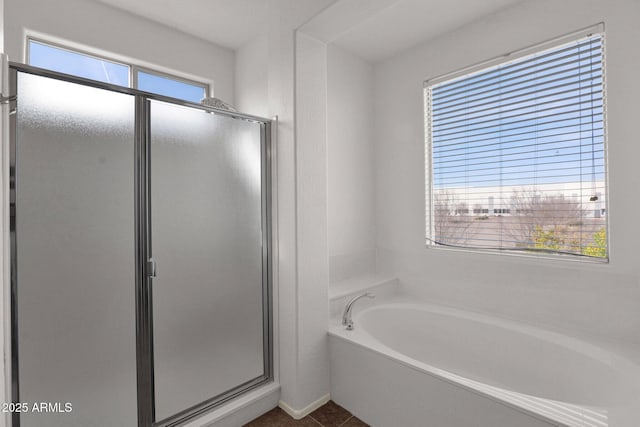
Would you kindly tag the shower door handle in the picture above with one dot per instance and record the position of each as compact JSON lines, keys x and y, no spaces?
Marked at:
{"x":151,"y":268}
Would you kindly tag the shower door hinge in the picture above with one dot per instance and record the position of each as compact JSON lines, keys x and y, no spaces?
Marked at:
{"x":151,"y":267}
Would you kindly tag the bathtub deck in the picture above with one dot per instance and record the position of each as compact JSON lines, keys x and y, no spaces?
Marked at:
{"x":561,"y":412}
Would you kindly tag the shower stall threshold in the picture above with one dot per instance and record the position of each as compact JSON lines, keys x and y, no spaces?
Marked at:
{"x":242,"y":409}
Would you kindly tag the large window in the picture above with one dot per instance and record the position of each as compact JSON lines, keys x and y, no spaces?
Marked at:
{"x":516,"y":154}
{"x":65,"y":60}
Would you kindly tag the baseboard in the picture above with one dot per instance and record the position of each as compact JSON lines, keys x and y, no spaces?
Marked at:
{"x":301,"y":413}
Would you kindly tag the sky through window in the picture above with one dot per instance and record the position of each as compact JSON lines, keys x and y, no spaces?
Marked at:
{"x":91,"y":67}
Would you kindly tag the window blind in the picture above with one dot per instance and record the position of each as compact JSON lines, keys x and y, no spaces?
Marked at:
{"x":516,"y":155}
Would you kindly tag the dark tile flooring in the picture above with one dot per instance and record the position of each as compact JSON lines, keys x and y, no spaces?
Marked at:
{"x":328,"y":415}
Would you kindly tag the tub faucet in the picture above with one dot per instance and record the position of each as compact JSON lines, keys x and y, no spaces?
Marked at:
{"x":346,"y":316}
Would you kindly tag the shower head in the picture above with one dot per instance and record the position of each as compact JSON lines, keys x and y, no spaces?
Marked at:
{"x":217,"y":103}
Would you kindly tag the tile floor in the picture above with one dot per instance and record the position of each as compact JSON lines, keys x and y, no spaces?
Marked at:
{"x":329,"y":415}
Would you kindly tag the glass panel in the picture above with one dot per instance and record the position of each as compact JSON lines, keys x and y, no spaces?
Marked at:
{"x":77,"y":64}
{"x":207,"y":241}
{"x":170,"y":87}
{"x":75,"y":253}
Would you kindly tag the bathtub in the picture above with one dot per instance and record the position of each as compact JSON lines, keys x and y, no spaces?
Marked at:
{"x":410,"y":364}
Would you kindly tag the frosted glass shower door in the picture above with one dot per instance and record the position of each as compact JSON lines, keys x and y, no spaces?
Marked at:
{"x":74,"y":261}
{"x":207,"y":242}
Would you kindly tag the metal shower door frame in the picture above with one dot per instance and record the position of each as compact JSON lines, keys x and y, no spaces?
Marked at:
{"x":144,"y":267}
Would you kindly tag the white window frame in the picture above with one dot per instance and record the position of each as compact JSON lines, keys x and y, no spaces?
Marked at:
{"x":506,"y":59}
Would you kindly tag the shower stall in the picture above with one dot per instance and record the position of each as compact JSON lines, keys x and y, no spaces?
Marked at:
{"x":140,"y":254}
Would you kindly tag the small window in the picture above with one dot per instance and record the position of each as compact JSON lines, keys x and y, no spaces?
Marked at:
{"x":68,"y":61}
{"x":168,"y":86}
{"x":77,"y":64}
{"x":523,"y":144}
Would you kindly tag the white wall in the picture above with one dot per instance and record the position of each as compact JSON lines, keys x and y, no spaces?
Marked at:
{"x":251,"y":77}
{"x":350,"y":165}
{"x":598,"y":299}
{"x":303,"y":307}
{"x":311,"y":220}
{"x":95,"y":25}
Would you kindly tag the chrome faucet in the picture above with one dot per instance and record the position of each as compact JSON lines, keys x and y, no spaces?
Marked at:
{"x":346,"y":316}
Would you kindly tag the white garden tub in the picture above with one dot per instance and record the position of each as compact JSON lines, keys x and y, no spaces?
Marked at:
{"x":465,"y":369}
